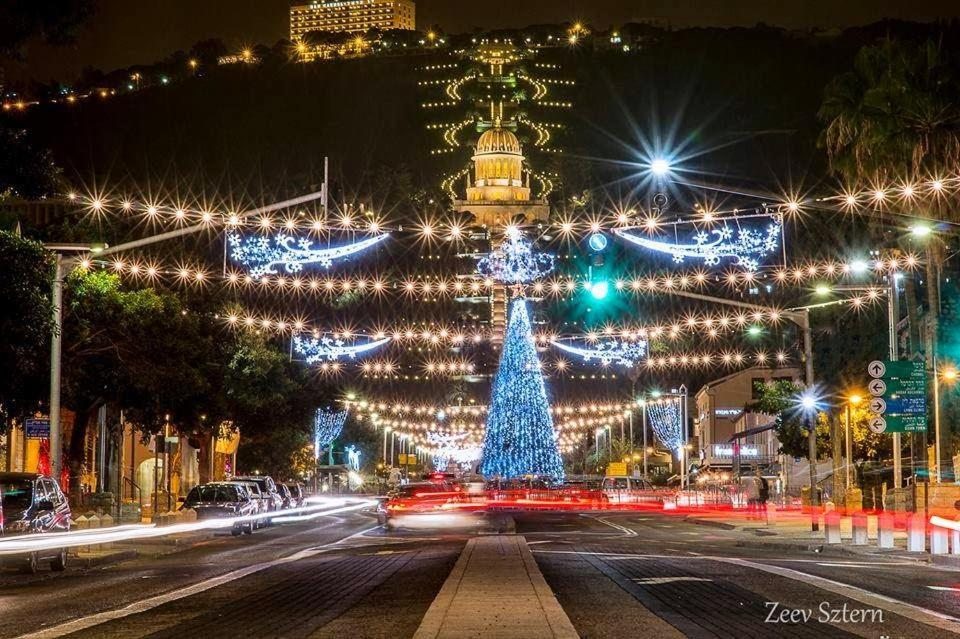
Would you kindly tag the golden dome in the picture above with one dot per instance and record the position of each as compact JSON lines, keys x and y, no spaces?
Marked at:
{"x":498,"y":140}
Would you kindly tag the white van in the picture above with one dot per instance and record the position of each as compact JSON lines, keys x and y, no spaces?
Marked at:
{"x":630,"y":490}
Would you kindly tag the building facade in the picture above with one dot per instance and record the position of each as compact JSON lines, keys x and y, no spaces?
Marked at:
{"x":351,"y":16}
{"x":724,"y":432}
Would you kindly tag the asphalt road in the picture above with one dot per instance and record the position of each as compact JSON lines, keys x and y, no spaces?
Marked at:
{"x":616,"y":575}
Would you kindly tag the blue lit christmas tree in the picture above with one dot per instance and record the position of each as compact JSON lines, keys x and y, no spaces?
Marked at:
{"x":520,"y":439}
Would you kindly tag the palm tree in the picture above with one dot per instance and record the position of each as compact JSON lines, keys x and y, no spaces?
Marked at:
{"x":896,"y":115}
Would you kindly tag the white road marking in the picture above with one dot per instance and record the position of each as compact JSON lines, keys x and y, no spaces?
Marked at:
{"x":159,"y":600}
{"x":656,"y":581}
{"x":896,"y":606}
{"x":944,"y":588}
{"x":626,"y":531}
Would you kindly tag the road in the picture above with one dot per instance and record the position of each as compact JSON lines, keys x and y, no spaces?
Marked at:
{"x":614,"y":574}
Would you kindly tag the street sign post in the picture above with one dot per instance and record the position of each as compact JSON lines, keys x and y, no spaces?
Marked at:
{"x":37,"y":428}
{"x":899,"y":396}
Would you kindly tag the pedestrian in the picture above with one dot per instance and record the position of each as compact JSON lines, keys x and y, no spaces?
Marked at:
{"x":763,"y":495}
{"x":751,"y":492}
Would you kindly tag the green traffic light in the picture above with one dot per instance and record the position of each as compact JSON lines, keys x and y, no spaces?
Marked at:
{"x":599,"y":290}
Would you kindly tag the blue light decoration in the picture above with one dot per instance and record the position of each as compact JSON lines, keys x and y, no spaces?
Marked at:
{"x":609,"y":351}
{"x":327,"y":426}
{"x":515,"y":262}
{"x":597,"y":242}
{"x":666,"y":419}
{"x":353,"y":458}
{"x":330,"y":348}
{"x":745,"y":246}
{"x":519,"y":438}
{"x":262,"y":254}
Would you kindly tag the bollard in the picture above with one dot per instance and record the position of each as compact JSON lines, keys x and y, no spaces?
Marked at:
{"x":916,"y":533}
{"x":771,"y":514}
{"x":938,"y":540}
{"x":885,"y":530}
{"x":955,"y":542}
{"x":831,"y":522}
{"x":859,"y":529}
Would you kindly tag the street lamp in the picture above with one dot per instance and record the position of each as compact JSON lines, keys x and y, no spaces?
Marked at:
{"x":807,"y":404}
{"x":56,"y":342}
{"x":659,"y":167}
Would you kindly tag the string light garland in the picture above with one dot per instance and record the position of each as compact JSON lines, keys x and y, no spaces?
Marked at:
{"x":519,"y":438}
{"x":263,"y":254}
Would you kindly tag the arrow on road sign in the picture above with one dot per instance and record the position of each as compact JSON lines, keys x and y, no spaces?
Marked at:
{"x":878,"y":424}
{"x":877,"y":387}
{"x":878,"y":406}
{"x":876,"y":368}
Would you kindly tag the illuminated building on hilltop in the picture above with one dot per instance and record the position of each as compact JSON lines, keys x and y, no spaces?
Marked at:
{"x":351,"y":16}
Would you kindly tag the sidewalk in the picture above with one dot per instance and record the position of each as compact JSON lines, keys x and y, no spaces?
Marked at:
{"x":792,"y":529}
{"x":496,"y":590}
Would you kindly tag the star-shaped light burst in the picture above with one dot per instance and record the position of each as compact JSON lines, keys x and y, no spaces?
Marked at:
{"x":515,"y":262}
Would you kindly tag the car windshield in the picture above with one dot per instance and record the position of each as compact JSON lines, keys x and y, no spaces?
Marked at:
{"x":17,"y":494}
{"x":212,"y":494}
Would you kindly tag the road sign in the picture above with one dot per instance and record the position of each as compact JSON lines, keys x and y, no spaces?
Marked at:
{"x":877,"y":424}
{"x":37,"y":428}
{"x":899,"y":396}
{"x":617,"y":469}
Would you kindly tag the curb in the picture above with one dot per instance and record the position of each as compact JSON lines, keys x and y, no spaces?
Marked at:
{"x":108,"y":559}
{"x":709,"y":522}
{"x":825,"y":549}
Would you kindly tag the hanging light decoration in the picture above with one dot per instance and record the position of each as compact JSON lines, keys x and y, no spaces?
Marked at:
{"x":609,"y":351}
{"x":327,"y":426}
{"x":666,"y":419}
{"x":262,"y":254}
{"x":330,"y":348}
{"x":745,"y":246}
{"x":515,"y":261}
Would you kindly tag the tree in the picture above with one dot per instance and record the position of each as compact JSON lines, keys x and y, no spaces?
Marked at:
{"x":53,"y":22}
{"x":896,"y":115}
{"x":519,"y":439}
{"x":779,"y":398}
{"x":26,"y":319}
{"x":26,"y":170}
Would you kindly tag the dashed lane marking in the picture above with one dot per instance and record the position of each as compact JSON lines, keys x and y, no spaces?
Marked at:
{"x":159,"y":600}
{"x":657,"y":581}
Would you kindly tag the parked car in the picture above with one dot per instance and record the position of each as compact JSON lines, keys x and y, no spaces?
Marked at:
{"x":220,"y":500}
{"x":631,"y":490}
{"x":253,"y":489}
{"x":269,"y":489}
{"x":29,"y":504}
{"x":285,"y":497}
{"x":297,"y":494}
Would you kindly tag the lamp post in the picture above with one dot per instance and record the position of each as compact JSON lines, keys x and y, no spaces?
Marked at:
{"x":949,"y":375}
{"x":808,"y":406}
{"x":853,"y":400}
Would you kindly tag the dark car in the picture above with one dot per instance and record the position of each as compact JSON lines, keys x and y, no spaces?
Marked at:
{"x":221,"y":500}
{"x":29,"y":504}
{"x":285,"y":496}
{"x":269,"y":489}
{"x":297,"y":494}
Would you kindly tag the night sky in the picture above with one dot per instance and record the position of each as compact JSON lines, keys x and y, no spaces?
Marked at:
{"x":126,"y":32}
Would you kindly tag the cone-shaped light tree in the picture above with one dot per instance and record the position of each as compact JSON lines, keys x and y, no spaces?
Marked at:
{"x":520,"y":439}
